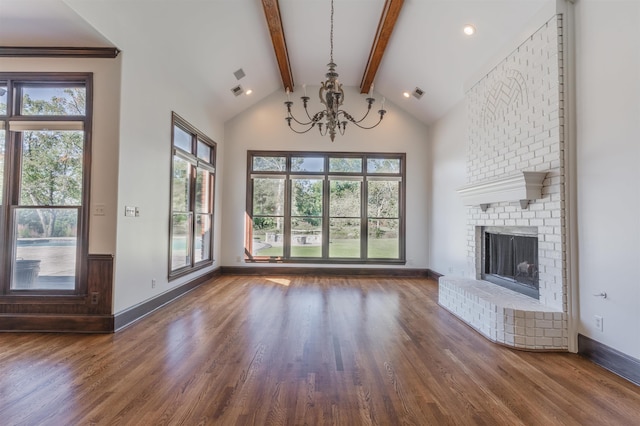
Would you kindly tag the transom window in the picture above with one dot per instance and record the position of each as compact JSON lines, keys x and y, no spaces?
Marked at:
{"x":325,"y":207}
{"x":45,"y":123}
{"x":192,"y":187}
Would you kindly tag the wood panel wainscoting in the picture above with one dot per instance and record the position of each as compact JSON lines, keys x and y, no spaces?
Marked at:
{"x":276,"y":350}
{"x":89,"y":313}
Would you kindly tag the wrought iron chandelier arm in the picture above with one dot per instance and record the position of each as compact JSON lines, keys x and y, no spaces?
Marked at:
{"x":291,"y":116}
{"x":300,"y":122}
{"x":318,"y":116}
{"x":305,"y":100}
{"x":300,"y":132}
{"x":313,"y":121}
{"x":351,"y":120}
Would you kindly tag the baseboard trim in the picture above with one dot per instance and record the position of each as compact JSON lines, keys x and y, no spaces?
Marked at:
{"x":433,"y":274}
{"x":613,"y":360}
{"x":56,"y":323}
{"x":137,"y":312}
{"x":361,"y":272}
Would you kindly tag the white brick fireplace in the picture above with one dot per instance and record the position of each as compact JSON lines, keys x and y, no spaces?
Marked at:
{"x":516,"y":125}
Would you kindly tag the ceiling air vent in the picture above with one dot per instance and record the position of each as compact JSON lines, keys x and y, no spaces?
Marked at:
{"x":238,"y":90}
{"x":239,"y":74}
{"x":418,"y":93}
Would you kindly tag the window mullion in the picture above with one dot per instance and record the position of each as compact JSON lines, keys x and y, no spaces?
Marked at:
{"x":192,"y":200}
{"x":192,"y":212}
{"x":364,"y":221}
{"x":286,"y":242}
{"x":14,"y":100}
{"x":4,"y":202}
{"x":14,"y":155}
{"x":326,"y":185}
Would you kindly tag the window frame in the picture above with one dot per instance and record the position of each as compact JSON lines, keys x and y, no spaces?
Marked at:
{"x":326,"y":176}
{"x":12,"y":173}
{"x":195,"y":162}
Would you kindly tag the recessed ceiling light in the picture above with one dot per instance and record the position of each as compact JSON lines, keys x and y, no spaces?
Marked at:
{"x":469,"y":29}
{"x":248,"y":92}
{"x":406,"y":94}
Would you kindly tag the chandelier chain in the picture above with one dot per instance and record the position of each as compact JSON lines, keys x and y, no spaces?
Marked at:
{"x":331,"y":34}
{"x":331,"y":120}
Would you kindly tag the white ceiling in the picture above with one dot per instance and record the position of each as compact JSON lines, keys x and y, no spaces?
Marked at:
{"x":216,"y":37}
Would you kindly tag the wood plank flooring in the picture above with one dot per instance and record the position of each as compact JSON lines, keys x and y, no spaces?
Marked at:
{"x":296,"y":350}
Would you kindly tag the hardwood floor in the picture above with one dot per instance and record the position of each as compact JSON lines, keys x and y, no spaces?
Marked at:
{"x":302,"y":350}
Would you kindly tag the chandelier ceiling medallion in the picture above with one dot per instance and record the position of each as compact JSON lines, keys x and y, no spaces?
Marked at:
{"x":332,"y":117}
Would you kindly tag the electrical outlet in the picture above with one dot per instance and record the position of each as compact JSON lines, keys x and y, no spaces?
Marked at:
{"x":153,"y":283}
{"x":598,"y":322}
{"x":95,"y":297}
{"x":238,"y":259}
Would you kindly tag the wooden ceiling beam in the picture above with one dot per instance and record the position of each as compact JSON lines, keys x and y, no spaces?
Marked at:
{"x":388,"y":19}
{"x":274,"y":21}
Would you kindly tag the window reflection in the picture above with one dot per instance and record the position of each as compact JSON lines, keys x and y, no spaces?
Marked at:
{"x":46,"y":244}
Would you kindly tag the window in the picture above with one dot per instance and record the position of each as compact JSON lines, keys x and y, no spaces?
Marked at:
{"x":45,"y":122}
{"x":192,"y":186}
{"x":325,"y":207}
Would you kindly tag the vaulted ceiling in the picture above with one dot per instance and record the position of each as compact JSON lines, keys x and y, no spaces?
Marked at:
{"x":205,"y":41}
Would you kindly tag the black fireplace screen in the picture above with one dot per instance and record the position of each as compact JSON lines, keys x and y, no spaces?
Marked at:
{"x":513,"y":257}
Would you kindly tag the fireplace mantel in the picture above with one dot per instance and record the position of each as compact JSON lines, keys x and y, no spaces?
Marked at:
{"x":522,"y":187}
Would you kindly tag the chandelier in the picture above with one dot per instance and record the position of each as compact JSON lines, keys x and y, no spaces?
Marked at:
{"x":332,"y":117}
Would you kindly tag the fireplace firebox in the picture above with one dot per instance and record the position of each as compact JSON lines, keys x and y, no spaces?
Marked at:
{"x":510,"y":259}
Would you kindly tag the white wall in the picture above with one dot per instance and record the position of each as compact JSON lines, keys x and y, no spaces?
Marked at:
{"x":263,"y":127}
{"x":104,"y":143}
{"x":448,"y":215}
{"x":608,"y":162}
{"x":148,"y":97}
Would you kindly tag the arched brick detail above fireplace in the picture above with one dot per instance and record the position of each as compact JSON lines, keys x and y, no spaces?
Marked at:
{"x":509,"y":90}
